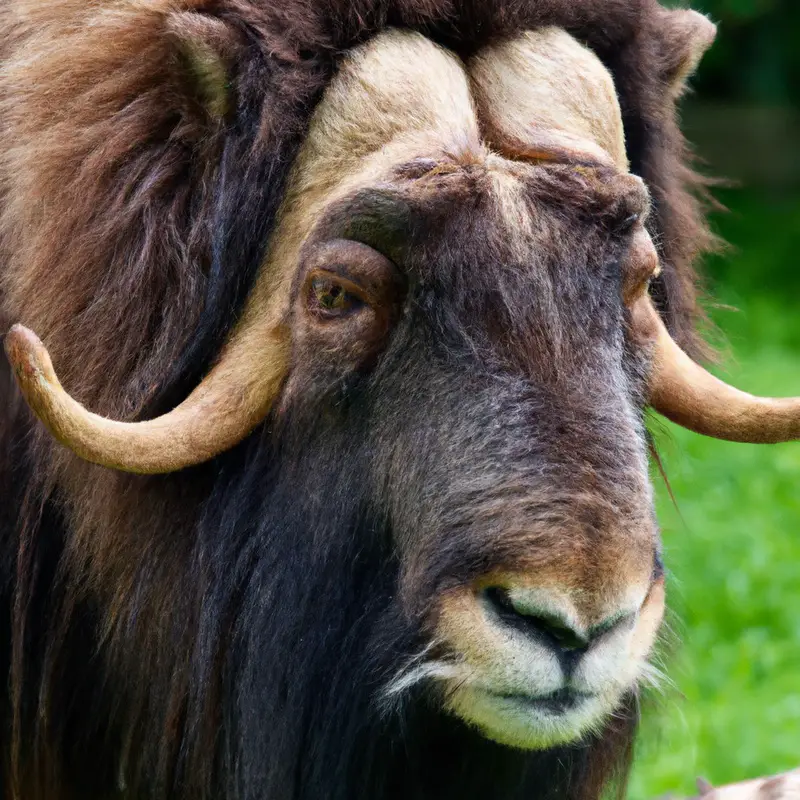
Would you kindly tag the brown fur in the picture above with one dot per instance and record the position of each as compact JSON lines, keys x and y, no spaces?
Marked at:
{"x":118,"y":169}
{"x":106,"y":223}
{"x":117,"y":246}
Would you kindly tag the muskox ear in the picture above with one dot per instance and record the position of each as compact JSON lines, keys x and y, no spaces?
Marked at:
{"x":206,"y":47}
{"x":685,"y":37}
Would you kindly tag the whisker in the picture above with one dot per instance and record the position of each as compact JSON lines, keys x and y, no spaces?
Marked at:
{"x":437,"y":670}
{"x":655,"y":678}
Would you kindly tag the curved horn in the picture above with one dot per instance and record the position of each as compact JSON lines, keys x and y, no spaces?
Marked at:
{"x":684,"y":392}
{"x":337,"y":156}
{"x":230,"y":401}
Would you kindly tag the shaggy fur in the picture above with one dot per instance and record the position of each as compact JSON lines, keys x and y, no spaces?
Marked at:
{"x":134,"y":211}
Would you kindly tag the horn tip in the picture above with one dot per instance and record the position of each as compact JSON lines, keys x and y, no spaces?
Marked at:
{"x":26,"y":354}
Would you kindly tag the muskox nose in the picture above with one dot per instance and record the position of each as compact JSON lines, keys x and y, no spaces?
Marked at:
{"x":561,"y":635}
{"x":533,"y":622}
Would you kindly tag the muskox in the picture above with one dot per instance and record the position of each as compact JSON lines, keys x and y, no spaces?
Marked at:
{"x":358,"y":310}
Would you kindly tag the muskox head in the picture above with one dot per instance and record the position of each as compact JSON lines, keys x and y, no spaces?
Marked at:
{"x":453,"y":344}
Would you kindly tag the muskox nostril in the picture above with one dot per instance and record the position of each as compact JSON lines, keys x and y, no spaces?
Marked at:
{"x":566,"y":638}
{"x":535,"y":624}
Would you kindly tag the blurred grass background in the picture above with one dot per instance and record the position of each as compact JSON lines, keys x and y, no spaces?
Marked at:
{"x":733,"y":541}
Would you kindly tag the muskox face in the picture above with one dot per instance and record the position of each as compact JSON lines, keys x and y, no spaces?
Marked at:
{"x":455,"y":315}
{"x":452,"y":344}
{"x":466,"y":316}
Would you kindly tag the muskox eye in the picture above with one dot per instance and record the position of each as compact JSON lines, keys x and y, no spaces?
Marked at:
{"x":627,"y":224}
{"x":329,"y":298}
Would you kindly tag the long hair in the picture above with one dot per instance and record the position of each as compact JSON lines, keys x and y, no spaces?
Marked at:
{"x":133,"y":217}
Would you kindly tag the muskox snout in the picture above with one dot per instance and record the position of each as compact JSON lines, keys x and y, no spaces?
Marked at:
{"x":559,"y":632}
{"x":534,"y":666}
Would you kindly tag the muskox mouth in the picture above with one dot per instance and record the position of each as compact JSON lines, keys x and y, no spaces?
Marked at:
{"x":558,"y":702}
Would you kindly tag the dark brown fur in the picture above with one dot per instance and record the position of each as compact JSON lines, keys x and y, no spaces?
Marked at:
{"x":132,"y":221}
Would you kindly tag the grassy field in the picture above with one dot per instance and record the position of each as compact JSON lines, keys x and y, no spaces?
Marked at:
{"x":733,"y":541}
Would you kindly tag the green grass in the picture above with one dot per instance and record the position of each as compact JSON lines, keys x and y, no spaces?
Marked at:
{"x":733,"y":542}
